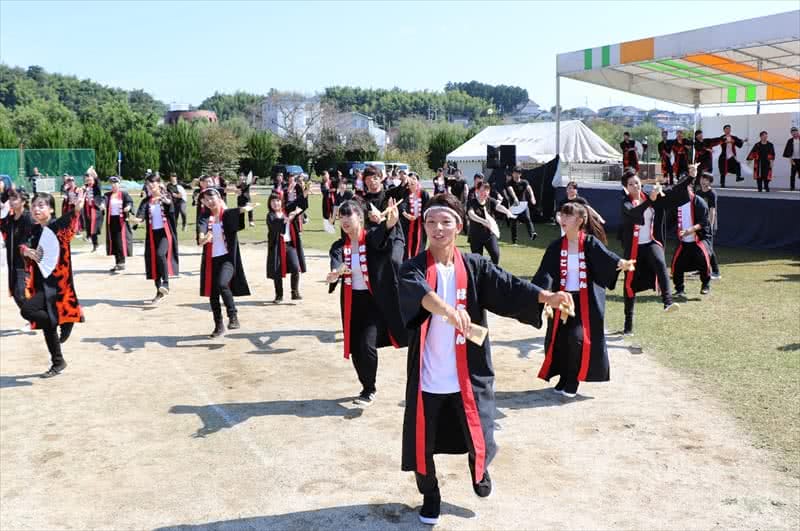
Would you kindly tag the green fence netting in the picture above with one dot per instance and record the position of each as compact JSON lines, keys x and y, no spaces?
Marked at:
{"x":9,"y":164}
{"x":50,"y":162}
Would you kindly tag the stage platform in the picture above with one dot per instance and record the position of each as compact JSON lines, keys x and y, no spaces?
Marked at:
{"x":746,"y":218}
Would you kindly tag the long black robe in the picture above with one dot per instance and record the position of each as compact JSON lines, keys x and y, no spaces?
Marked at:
{"x":664,"y":150}
{"x":16,"y":232}
{"x":702,"y":236}
{"x":151,"y":269}
{"x":328,"y":199}
{"x":383,"y":248}
{"x":644,"y":278}
{"x":232,"y":223}
{"x":488,"y":288}
{"x":59,"y":287}
{"x":381,"y":200}
{"x":601,"y":265}
{"x":417,"y":237}
{"x":681,"y":152}
{"x":702,"y":154}
{"x":92,"y":213}
{"x":630,"y":159}
{"x":276,"y":227}
{"x":762,"y":156}
{"x":127,"y":233}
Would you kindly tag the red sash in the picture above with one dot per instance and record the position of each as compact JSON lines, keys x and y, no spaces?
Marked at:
{"x":123,"y":231}
{"x":462,"y":366}
{"x":209,"y":259}
{"x":167,"y":234}
{"x":348,"y":282}
{"x":293,"y":237}
{"x":634,"y":248}
{"x":415,"y":226}
{"x":584,"y":301}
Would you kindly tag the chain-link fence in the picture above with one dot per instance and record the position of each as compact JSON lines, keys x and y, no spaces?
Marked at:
{"x":51,"y":163}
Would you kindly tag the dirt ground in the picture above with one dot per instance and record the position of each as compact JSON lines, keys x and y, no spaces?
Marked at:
{"x":155,"y":426}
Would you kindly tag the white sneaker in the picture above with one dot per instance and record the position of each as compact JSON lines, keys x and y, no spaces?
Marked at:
{"x":716,"y":276}
{"x":672,"y":307}
{"x":568,"y":395}
{"x":25,"y":328}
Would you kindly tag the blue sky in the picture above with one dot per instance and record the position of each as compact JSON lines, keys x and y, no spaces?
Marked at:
{"x":185,"y":51}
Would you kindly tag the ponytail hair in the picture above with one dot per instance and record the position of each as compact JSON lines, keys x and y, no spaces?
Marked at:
{"x":591,"y":225}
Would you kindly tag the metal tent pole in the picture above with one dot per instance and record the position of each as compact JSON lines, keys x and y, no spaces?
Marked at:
{"x":558,"y":118}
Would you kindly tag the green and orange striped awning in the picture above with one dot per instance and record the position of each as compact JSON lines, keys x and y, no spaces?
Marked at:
{"x":747,"y":61}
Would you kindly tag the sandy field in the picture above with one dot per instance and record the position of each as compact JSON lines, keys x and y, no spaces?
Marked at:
{"x":155,"y":426}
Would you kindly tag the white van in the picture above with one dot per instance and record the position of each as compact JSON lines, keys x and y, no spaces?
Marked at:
{"x":378,"y":164}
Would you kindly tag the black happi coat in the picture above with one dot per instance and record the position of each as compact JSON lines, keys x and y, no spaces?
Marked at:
{"x":151,"y":269}
{"x":16,"y":232}
{"x":702,"y":153}
{"x":630,"y":159}
{"x":276,"y":227}
{"x":411,"y":238}
{"x":644,"y":278}
{"x":383,"y":247}
{"x":127,"y":233}
{"x":232,"y":223}
{"x":244,"y":194}
{"x":381,"y":201}
{"x":92,"y":213}
{"x":762,"y":156}
{"x":59,"y":288}
{"x":328,"y":199}
{"x":601,"y":265}
{"x":488,"y":288}
{"x":700,"y":211}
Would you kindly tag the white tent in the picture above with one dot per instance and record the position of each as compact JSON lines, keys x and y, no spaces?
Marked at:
{"x":536,"y":144}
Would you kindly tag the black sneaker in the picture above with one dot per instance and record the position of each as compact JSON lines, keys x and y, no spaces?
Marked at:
{"x":66,"y":330}
{"x":277,"y":300}
{"x":364,"y":399}
{"x":705,"y":290}
{"x":163,"y":291}
{"x":219,"y":329}
{"x":739,"y":179}
{"x":484,"y":487}
{"x":534,"y":236}
{"x":680,"y":294}
{"x":55,"y":370}
{"x":296,"y":296}
{"x":431,"y":507}
{"x":157,"y":298}
{"x":559,"y":386}
{"x":233,"y":323}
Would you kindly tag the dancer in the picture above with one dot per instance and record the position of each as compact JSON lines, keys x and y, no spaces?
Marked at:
{"x":93,"y":205}
{"x":630,"y":158}
{"x":243,"y":194}
{"x":284,"y":245}
{"x":366,"y":259}
{"x":178,"y":194}
{"x":50,"y":299}
{"x":483,"y":231}
{"x":702,"y":151}
{"x":450,"y":402}
{"x":328,"y":196}
{"x":575,"y":347}
{"x":710,"y":197}
{"x":791,"y":151}
{"x":411,"y":220}
{"x":119,"y":236}
{"x":694,"y":246}
{"x":521,"y":198}
{"x":439,"y":183}
{"x":664,"y":152}
{"x":160,"y":240}
{"x":16,"y":229}
{"x":680,"y":152}
{"x":643,"y":238}
{"x":728,"y":163}
{"x":763,"y":157}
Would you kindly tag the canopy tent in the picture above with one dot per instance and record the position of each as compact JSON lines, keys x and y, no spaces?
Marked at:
{"x":739,"y":62}
{"x":536,"y":143}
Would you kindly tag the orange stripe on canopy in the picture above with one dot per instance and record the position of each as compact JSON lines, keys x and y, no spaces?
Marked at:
{"x":635,"y":51}
{"x":779,"y":87}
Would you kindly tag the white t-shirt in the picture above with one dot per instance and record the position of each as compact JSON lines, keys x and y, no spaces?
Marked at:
{"x":573,"y":272}
{"x":439,"y":371}
{"x":728,"y":151}
{"x":686,"y":221}
{"x":218,"y":242}
{"x":646,"y":229}
{"x":116,"y":205}
{"x":157,"y":217}
{"x":796,"y":148}
{"x":357,"y":275}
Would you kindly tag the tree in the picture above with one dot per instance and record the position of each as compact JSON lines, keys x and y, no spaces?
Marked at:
{"x":261,"y":153}
{"x":649,"y":132}
{"x":180,"y":149}
{"x":328,"y":150}
{"x":220,"y":150}
{"x":239,"y":126}
{"x":105,"y":150}
{"x":8,"y":140}
{"x":239,"y":104}
{"x":412,"y":134}
{"x":360,"y":146}
{"x":293,"y":150}
{"x":49,"y":136}
{"x":139,"y":153}
{"x":445,"y":138}
{"x":610,"y":132}
{"x":506,"y":98}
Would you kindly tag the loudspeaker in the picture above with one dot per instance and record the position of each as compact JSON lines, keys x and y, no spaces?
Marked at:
{"x":508,"y":156}
{"x":492,"y":157}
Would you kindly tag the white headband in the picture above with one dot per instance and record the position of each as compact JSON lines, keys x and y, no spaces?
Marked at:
{"x":442,"y":208}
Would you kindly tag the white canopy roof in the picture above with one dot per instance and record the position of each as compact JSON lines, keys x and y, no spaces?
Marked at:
{"x":536,"y":143}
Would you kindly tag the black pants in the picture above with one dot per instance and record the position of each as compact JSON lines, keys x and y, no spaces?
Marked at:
{"x":35,"y":311}
{"x":222,"y":272}
{"x":364,"y":324}
{"x":478,"y":243}
{"x":713,"y":256}
{"x":763,"y":183}
{"x":652,"y":255}
{"x":524,"y":218}
{"x":115,"y":228}
{"x":295,"y":282}
{"x":733,"y":166}
{"x":436,"y":406}
{"x":161,"y":245}
{"x":568,"y":348}
{"x":794,"y":165}
{"x":690,"y":256}
{"x":180,"y":212}
{"x":18,"y":289}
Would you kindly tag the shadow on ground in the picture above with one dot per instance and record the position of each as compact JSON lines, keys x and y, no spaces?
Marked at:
{"x":131,"y":343}
{"x":16,"y":381}
{"x":350,"y":517}
{"x":216,"y":417}
{"x":534,"y":398}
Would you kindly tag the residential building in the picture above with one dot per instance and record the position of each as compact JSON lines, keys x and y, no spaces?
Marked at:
{"x":292,"y":114}
{"x":355,"y":121}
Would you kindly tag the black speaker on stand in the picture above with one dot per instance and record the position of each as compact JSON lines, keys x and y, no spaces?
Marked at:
{"x":508,"y":156}
{"x":492,"y":157}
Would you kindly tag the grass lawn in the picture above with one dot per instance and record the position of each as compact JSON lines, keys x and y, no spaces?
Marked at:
{"x":741,"y":343}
